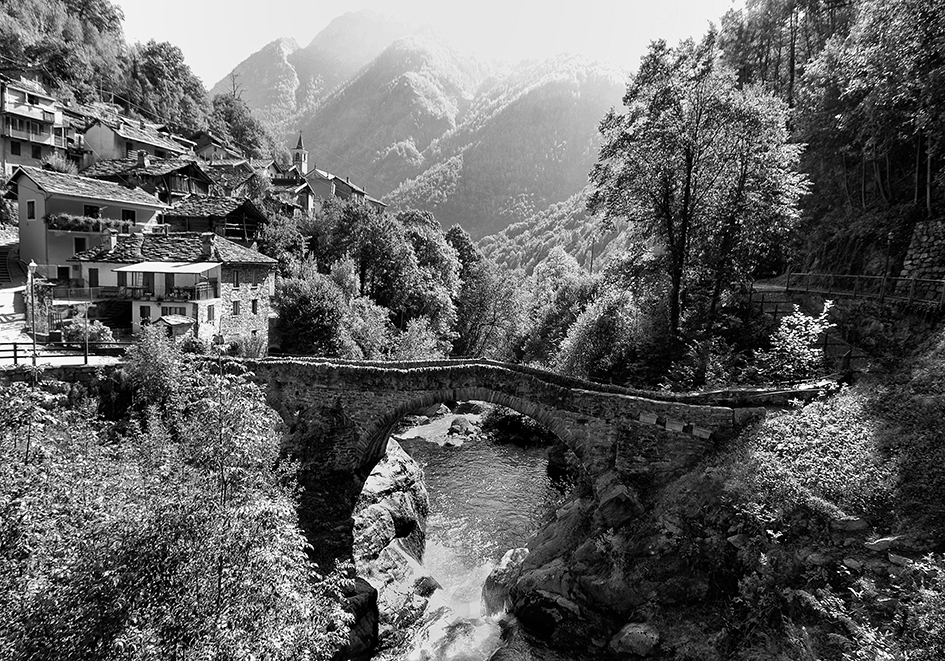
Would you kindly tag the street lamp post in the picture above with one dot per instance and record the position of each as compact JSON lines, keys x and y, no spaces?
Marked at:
{"x":32,"y":268}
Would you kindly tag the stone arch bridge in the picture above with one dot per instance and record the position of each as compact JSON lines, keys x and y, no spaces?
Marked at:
{"x":340,"y":414}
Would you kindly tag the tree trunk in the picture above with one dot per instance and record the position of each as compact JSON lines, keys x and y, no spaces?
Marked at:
{"x":863,"y":179}
{"x":918,"y":165}
{"x":928,"y":181}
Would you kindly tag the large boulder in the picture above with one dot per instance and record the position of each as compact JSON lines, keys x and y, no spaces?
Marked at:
{"x":499,"y":582}
{"x":389,"y":538}
{"x":635,"y":638}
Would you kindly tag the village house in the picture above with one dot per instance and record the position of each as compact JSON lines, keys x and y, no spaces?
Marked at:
{"x":234,"y":218}
{"x":169,"y":179}
{"x":325,"y":185}
{"x":199,"y":282}
{"x":211,"y":147}
{"x":122,"y":137}
{"x":31,"y":125}
{"x":63,"y":214}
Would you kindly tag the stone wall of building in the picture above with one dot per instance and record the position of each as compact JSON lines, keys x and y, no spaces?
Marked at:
{"x":251,"y":290}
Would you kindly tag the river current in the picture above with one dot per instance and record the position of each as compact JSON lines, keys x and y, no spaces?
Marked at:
{"x":486,"y":497}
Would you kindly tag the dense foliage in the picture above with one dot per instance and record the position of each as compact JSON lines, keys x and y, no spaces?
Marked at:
{"x":170,"y":535}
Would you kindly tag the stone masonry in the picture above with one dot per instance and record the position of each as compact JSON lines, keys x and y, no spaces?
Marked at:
{"x":340,"y":414}
{"x":244,"y":284}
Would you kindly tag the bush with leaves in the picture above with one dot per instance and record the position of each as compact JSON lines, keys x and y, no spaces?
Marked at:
{"x":168,"y":544}
{"x":794,"y":353}
{"x":77,"y":330}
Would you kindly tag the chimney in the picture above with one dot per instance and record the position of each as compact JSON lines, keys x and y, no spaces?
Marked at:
{"x":138,"y":241}
{"x":112,"y":239}
{"x":144,"y":159}
{"x":207,"y":241}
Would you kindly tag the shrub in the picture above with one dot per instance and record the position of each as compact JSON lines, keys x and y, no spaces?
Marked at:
{"x":794,"y":353}
{"x":74,"y":331}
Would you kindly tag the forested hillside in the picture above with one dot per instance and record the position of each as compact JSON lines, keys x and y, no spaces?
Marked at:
{"x":283,"y":81}
{"x":376,"y":127}
{"x":526,"y":143}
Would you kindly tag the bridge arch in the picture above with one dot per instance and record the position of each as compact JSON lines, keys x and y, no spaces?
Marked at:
{"x":339,"y":415}
{"x":374,"y":442}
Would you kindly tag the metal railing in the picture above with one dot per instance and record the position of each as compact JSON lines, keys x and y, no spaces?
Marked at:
{"x":201,"y":292}
{"x":22,"y":353}
{"x":910,"y":290}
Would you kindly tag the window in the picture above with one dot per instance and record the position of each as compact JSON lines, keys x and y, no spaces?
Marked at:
{"x":130,"y":149}
{"x":31,"y":209}
{"x":145,"y":314}
{"x":93,"y":277}
{"x":128,"y":215}
{"x":173,"y":309}
{"x":255,"y":306}
{"x":210,"y":312}
{"x":15,"y":148}
{"x":168,"y":283}
{"x":37,"y":152}
{"x":236,"y":278}
{"x":122,"y":279}
{"x":91,"y":211}
{"x":80,"y":243}
{"x":236,"y":308}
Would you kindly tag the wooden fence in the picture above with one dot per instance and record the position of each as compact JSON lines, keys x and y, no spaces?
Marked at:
{"x":910,"y":290}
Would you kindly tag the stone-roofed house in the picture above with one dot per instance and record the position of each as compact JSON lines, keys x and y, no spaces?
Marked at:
{"x":231,"y":177}
{"x":225,"y":288}
{"x":169,"y":179}
{"x":62,"y":214}
{"x":234,"y":218}
{"x":125,"y":137}
{"x":211,"y":146}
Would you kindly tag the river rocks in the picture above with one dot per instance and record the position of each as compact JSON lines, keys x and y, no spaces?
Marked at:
{"x":849,"y":524}
{"x":389,"y":537}
{"x":883,"y":543}
{"x":362,"y":602}
{"x":639,"y":639}
{"x":467,"y":408}
{"x":496,"y":590}
{"x":461,"y":427}
{"x":618,"y":504}
{"x":394,"y":504}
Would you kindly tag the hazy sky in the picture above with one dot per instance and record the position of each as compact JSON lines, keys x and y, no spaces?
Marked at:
{"x":216,"y":35}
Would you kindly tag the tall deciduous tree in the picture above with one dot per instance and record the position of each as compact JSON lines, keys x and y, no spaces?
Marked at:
{"x":704,"y":167}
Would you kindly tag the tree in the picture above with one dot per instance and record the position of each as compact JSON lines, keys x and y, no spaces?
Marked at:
{"x":703,"y":167}
{"x":312,"y":316}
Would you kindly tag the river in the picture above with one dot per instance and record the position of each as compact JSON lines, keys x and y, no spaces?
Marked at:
{"x":486,"y":497}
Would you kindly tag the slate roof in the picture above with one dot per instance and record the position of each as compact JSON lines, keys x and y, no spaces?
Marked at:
{"x":176,"y":320}
{"x":157,"y":167}
{"x":172,"y":247}
{"x":86,"y":187}
{"x":229,"y":175}
{"x":131,"y":132}
{"x":211,"y":207}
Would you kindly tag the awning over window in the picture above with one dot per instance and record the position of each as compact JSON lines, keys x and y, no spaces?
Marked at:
{"x":167,"y":267}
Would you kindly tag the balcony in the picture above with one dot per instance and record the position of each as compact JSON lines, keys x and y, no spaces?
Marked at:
{"x":30,"y":136}
{"x":64,"y":222}
{"x":201,"y":292}
{"x":30,"y":111}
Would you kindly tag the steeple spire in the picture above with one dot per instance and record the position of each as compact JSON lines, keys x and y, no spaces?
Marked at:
{"x":300,"y":157}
